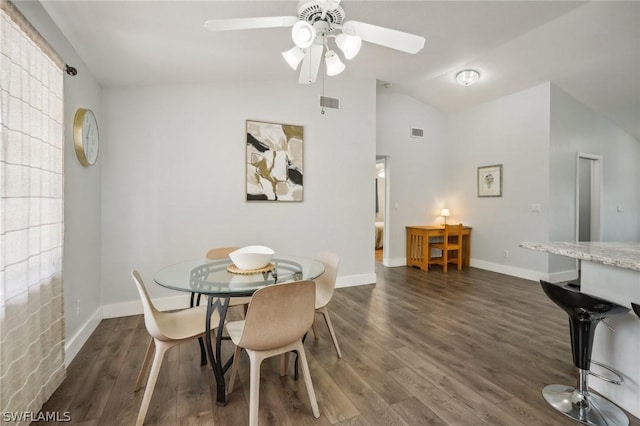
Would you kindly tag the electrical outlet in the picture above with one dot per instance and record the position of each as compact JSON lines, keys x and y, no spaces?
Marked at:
{"x":505,"y":253}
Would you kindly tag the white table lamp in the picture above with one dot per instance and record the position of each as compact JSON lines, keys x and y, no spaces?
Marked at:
{"x":445,"y":213}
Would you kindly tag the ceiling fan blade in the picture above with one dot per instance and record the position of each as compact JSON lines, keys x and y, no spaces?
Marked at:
{"x":250,"y":23}
{"x":311,"y":64}
{"x":387,"y":37}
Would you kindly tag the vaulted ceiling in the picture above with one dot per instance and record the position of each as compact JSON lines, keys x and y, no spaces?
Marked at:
{"x":589,"y":49}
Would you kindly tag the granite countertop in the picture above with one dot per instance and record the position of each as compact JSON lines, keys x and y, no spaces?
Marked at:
{"x":619,"y":254}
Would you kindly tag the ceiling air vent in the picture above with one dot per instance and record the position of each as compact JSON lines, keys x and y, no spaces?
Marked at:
{"x":327,"y":102}
{"x":417,"y":133}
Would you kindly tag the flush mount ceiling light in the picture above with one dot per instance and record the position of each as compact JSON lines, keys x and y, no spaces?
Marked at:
{"x":316,"y":23}
{"x":467,"y":77}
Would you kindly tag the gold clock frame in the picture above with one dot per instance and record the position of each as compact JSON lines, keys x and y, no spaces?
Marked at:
{"x":77,"y":136}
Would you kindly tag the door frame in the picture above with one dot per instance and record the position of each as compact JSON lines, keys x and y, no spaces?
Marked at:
{"x":596,"y":195}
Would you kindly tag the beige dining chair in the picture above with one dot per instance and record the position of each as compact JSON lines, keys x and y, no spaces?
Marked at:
{"x":451,"y":241}
{"x":325,"y":285}
{"x":277,"y":318}
{"x":167,"y":330}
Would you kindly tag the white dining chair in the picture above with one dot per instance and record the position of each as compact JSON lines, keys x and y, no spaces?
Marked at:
{"x":325,"y":285}
{"x":167,"y":330}
{"x":277,"y":318}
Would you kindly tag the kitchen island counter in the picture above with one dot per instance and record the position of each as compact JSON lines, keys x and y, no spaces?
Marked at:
{"x":611,"y":271}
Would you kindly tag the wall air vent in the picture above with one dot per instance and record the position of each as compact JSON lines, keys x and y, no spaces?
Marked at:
{"x":327,"y":102}
{"x":417,"y":133}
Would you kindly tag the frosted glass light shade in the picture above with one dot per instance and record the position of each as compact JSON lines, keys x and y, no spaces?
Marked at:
{"x":303,"y":34}
{"x":467,"y":77}
{"x":293,"y":56}
{"x":349,"y":44}
{"x":334,"y":64}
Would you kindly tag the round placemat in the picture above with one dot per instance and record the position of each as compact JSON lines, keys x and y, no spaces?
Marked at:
{"x":235,"y":270}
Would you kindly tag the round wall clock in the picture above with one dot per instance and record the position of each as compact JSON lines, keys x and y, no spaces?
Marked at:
{"x":85,"y":136}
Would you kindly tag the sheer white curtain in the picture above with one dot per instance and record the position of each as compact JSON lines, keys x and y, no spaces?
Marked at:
{"x":31,"y":217}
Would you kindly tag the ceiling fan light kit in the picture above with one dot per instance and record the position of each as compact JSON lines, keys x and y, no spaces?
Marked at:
{"x":334,"y":64}
{"x":318,"y":21}
{"x":293,"y":56}
{"x":349,"y":44}
{"x":303,"y":34}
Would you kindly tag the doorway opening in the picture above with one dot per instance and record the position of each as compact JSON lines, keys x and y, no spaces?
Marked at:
{"x":380,"y":208}
{"x":588,"y":197}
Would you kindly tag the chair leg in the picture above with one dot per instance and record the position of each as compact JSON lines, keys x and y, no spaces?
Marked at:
{"x":445,"y":259}
{"x":284,"y":363}
{"x":254,"y":387}
{"x":316,"y":336}
{"x":325,"y":313}
{"x":307,"y":380}
{"x":234,"y":369}
{"x":460,"y":259}
{"x":145,"y":365}
{"x":161,"y":348}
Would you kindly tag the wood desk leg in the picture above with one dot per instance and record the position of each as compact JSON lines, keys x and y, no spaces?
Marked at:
{"x":466,"y":253}
{"x":426,"y":253}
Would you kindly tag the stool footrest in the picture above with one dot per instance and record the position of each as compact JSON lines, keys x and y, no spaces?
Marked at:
{"x":586,"y":408}
{"x":616,"y":381}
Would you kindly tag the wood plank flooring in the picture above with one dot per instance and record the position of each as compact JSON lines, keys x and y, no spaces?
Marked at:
{"x":467,"y":347}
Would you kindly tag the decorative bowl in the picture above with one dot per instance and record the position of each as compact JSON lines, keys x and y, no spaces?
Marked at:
{"x":251,"y":257}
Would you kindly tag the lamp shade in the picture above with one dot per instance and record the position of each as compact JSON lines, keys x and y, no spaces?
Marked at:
{"x":349,"y":44}
{"x":303,"y":34}
{"x":334,"y":64}
{"x":293,"y":56}
{"x":445,"y":213}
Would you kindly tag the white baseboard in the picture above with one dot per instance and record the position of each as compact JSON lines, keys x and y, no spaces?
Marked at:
{"x":481,"y":264}
{"x":134,"y":307}
{"x":354,"y":280}
{"x":526,"y":274}
{"x":73,"y":345}
{"x":556,"y":277}
{"x":393,"y":262}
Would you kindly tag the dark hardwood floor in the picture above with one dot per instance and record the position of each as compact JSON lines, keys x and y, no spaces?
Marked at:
{"x":467,"y":347}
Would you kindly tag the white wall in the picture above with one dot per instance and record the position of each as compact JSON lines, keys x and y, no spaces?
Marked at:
{"x":174,"y":175}
{"x":535,"y":135}
{"x":415,"y":168}
{"x":512,"y":131}
{"x":82,"y":188}
{"x":575,"y":128}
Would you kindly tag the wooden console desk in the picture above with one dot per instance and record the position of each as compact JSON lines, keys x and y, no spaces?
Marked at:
{"x":418,"y":244}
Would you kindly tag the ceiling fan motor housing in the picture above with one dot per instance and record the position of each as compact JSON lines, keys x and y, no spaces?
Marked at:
{"x":311,"y":11}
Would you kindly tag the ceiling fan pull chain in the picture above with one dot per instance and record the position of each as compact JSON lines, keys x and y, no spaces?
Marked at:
{"x":324,"y":40}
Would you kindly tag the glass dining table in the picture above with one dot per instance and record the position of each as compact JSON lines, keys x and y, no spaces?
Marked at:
{"x":213,"y":278}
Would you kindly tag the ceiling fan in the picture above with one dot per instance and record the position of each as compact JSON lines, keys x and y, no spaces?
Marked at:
{"x":316,"y":23}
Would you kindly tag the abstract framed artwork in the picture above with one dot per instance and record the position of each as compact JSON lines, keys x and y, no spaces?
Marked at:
{"x":490,"y":181}
{"x":274,"y":161}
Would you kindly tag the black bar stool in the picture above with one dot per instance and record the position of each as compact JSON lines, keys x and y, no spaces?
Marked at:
{"x":585,"y":312}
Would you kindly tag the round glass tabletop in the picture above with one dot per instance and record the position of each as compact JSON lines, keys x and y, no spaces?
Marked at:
{"x":212,"y":277}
